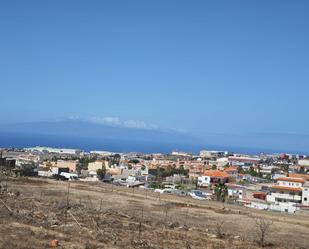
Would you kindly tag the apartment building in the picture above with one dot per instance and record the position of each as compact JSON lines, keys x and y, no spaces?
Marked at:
{"x":286,"y":196}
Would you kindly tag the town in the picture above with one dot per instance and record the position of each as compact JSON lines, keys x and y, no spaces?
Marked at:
{"x":276,"y":182}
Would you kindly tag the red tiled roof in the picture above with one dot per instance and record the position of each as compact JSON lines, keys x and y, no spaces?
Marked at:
{"x":291,"y":179}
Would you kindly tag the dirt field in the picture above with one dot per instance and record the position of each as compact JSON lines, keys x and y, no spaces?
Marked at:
{"x":33,"y":212}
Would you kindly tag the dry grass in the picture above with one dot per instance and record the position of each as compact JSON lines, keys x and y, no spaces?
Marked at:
{"x":101,"y":218}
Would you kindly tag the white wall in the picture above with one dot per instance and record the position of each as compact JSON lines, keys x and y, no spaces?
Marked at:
{"x":305,"y":197}
{"x":288,"y":207}
{"x":203,"y":181}
{"x":257,"y":205}
{"x":304,"y":162}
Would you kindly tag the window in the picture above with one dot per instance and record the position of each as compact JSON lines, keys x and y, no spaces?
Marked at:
{"x":305,"y":198}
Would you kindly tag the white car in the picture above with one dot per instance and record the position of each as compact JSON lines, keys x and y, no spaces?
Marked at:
{"x":198,"y":195}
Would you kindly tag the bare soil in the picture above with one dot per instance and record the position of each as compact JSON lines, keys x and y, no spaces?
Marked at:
{"x":33,"y":212}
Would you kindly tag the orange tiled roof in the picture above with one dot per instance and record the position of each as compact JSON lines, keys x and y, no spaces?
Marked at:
{"x":286,"y":188}
{"x":216,"y":173}
{"x":291,"y":179}
{"x":303,"y":176}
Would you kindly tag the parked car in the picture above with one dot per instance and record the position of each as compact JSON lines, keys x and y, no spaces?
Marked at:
{"x":198,"y":195}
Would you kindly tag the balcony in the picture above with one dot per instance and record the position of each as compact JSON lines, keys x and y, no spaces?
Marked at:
{"x":287,"y":197}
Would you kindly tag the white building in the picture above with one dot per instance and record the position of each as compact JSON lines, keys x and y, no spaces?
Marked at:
{"x":286,"y":196}
{"x":203,"y":181}
{"x":54,"y":150}
{"x":305,"y":194}
{"x":257,"y":204}
{"x":303,"y":162}
{"x":222,"y":161}
{"x":236,"y":191}
{"x":212,"y":177}
{"x":212,"y":153}
{"x":102,"y":153}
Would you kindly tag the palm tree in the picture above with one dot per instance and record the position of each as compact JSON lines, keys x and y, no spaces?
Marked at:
{"x":221,"y":191}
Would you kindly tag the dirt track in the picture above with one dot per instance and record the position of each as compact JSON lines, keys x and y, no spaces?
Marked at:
{"x":102,"y":216}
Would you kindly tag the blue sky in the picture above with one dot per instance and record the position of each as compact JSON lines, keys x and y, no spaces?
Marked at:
{"x":205,"y":67}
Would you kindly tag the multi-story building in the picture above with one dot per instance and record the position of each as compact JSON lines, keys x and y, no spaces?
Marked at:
{"x":286,"y":196}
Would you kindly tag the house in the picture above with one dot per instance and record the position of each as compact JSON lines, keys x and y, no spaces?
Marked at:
{"x":232,"y":170}
{"x":212,"y":177}
{"x":94,"y":166}
{"x":286,"y":196}
{"x":266,"y":170}
{"x":71,"y":164}
{"x":236,"y":191}
{"x":222,"y":161}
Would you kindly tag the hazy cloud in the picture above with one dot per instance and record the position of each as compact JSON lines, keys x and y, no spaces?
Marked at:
{"x":116,"y":121}
{"x":113,"y":121}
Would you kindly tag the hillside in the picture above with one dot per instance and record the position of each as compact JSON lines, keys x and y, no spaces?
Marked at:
{"x":102,"y":216}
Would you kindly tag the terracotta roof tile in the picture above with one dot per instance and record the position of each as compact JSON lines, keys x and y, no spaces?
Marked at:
{"x":216,"y":173}
{"x":291,"y":179}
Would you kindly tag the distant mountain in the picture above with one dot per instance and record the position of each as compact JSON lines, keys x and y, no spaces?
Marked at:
{"x":92,"y":136}
{"x":87,"y":135}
